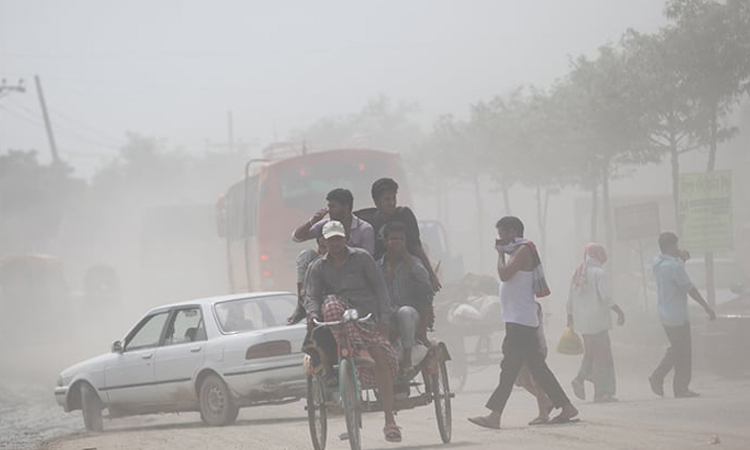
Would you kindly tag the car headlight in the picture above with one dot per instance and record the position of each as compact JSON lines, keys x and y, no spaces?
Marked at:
{"x":350,"y":314}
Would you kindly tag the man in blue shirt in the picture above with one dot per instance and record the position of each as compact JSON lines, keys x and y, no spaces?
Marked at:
{"x":673,"y":287}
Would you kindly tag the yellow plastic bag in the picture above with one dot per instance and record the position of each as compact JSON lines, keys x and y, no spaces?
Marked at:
{"x":570,"y":343}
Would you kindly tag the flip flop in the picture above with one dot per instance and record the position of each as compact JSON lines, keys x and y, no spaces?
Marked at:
{"x":392,"y":432}
{"x":560,"y":419}
{"x":540,"y":421}
{"x":482,"y":422}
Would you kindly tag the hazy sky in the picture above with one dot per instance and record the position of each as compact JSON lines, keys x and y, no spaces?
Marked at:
{"x":172,"y":68}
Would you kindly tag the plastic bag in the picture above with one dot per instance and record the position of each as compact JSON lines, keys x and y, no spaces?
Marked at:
{"x":570,"y":343}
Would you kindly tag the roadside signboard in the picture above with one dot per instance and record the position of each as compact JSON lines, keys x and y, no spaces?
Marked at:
{"x":705,"y":211}
{"x":637,"y":221}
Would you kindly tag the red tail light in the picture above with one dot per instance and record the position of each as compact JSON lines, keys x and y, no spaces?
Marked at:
{"x":265,"y":256}
{"x":268,"y":349}
{"x":361,"y":167}
{"x":266,"y":274}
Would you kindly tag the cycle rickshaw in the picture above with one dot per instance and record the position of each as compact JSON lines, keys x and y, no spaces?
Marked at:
{"x":355,"y":399}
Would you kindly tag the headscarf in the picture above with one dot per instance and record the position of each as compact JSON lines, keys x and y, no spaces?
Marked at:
{"x":594,"y":252}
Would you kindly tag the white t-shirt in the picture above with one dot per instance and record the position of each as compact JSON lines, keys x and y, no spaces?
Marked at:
{"x":518,"y":301}
{"x":592,"y":303}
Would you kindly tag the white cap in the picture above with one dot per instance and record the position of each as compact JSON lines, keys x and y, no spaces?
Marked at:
{"x":333,"y":228}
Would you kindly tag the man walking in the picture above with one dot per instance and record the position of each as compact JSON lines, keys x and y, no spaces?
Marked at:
{"x":522,"y":280}
{"x":673,"y":286}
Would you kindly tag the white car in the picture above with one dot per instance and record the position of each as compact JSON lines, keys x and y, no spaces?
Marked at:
{"x":211,"y":355}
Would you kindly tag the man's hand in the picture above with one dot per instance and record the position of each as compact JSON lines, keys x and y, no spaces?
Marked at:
{"x":310,"y":318}
{"x":297,"y":315}
{"x":684,"y":255}
{"x":711,"y":313}
{"x":435,"y":281}
{"x":318,"y":216}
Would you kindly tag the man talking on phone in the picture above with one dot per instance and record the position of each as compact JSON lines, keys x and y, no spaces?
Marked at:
{"x":340,"y":204}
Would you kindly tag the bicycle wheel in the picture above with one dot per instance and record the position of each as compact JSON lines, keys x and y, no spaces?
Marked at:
{"x":317,"y":416}
{"x":441,"y":396}
{"x":350,"y":402}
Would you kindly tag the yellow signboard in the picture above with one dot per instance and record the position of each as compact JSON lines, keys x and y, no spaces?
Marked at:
{"x":706,"y":211}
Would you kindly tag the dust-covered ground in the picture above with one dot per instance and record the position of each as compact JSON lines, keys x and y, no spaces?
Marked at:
{"x":639,"y":421}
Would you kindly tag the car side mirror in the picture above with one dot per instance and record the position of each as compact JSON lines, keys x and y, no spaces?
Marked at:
{"x":117,"y":347}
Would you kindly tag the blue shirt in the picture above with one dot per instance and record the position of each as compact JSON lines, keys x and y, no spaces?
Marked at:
{"x":672,"y":286}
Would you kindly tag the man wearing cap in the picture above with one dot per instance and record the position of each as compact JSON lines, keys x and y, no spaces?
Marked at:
{"x":340,"y":203}
{"x":348,"y":277}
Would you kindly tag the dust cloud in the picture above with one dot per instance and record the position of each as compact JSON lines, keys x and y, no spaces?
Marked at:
{"x":157,"y":117}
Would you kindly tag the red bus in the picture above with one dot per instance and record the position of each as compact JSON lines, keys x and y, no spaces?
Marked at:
{"x":258,"y":214}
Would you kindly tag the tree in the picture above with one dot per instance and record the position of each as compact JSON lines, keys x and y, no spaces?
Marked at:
{"x":377,"y":125}
{"x":605,"y":110}
{"x":34,"y":198}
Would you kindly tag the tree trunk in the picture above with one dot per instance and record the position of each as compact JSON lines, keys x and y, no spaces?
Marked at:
{"x":506,"y":198}
{"x":594,"y":213}
{"x":540,"y":219}
{"x":675,"y":162}
{"x":607,"y":214}
{"x":480,"y":222}
{"x":710,"y":280}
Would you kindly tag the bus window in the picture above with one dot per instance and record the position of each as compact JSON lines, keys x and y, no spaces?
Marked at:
{"x":302,"y":186}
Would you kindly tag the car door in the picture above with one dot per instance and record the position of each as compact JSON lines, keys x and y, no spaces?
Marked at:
{"x":130,"y":380}
{"x":180,"y":356}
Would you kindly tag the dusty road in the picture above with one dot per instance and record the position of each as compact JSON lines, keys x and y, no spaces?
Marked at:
{"x":639,"y":421}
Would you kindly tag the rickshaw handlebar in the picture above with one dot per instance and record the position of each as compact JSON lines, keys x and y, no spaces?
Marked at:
{"x":341,"y":322}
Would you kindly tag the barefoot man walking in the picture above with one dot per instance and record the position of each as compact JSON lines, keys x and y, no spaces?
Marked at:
{"x":522,"y":280}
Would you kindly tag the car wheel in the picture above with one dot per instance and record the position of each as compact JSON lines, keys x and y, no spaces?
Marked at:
{"x":215,"y":401}
{"x":92,"y":408}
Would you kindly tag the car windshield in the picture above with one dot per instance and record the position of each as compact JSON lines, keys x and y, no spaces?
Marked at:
{"x":236,"y":316}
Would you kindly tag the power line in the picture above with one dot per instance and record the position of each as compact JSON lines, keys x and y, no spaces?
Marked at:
{"x":66,"y":131}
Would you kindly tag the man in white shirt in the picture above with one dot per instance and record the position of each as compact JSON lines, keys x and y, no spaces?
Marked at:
{"x":520,"y":312}
{"x":589,"y":310}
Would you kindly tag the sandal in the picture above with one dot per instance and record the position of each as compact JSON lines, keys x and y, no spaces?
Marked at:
{"x":483,"y":422}
{"x":541,"y":420}
{"x":392,"y":432}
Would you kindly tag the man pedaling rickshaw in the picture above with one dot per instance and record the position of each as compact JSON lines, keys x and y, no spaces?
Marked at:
{"x":347,"y":277}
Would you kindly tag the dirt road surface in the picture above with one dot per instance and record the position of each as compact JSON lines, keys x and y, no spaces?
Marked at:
{"x":639,"y":420}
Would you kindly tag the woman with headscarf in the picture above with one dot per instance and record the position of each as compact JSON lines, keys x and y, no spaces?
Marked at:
{"x":589,"y":314}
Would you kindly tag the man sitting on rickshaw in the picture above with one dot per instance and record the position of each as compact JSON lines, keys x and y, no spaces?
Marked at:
{"x":411,"y":292}
{"x":348,"y":277}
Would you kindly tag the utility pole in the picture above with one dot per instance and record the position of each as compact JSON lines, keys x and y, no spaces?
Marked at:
{"x":230,"y":131}
{"x":47,"y":124}
{"x":4,"y":86}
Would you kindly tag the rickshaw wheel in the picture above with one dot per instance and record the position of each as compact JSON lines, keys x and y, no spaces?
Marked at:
{"x":350,"y":402}
{"x":440,"y":387}
{"x":317,"y":416}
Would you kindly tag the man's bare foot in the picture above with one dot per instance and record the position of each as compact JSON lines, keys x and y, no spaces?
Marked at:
{"x":568,"y":412}
{"x":490,"y":421}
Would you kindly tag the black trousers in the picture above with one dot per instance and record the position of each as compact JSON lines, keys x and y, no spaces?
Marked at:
{"x":521,"y":345}
{"x":678,"y":357}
